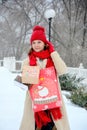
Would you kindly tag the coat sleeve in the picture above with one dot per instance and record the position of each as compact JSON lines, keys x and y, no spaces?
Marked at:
{"x":59,"y":63}
{"x":63,"y":123}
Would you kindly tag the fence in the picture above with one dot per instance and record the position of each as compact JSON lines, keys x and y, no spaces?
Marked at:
{"x":11,"y":64}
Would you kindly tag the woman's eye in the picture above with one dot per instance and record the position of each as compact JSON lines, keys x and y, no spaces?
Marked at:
{"x":33,"y":42}
{"x":39,"y":42}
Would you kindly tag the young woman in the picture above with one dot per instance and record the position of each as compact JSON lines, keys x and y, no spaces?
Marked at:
{"x":42,"y":53}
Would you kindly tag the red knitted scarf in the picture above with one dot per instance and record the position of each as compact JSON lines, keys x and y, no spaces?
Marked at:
{"x":42,"y":55}
{"x":43,"y":117}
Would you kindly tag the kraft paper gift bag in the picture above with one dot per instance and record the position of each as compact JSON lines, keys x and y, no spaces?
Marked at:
{"x":46,"y":94}
{"x":30,"y":74}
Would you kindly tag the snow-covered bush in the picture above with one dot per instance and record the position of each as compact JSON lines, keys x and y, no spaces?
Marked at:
{"x":78,"y":91}
{"x":79,"y":96}
{"x":69,"y":82}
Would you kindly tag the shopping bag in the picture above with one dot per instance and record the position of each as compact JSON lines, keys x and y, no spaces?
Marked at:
{"x":46,"y":94}
{"x":30,"y":74}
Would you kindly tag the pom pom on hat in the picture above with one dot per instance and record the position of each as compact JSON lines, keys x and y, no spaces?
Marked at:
{"x":38,"y":28}
{"x":38,"y":34}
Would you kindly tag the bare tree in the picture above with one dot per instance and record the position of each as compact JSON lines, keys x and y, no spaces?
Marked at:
{"x":69,"y":27}
{"x":20,"y":17}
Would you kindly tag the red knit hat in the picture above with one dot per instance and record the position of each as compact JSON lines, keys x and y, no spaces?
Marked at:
{"x":38,"y":34}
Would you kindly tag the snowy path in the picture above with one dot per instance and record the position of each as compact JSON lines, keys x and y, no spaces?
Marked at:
{"x":12,"y":101}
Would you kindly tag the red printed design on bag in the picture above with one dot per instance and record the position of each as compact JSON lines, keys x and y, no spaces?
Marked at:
{"x":46,"y":94}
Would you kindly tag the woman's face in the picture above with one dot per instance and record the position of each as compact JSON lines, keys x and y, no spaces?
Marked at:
{"x":38,"y":45}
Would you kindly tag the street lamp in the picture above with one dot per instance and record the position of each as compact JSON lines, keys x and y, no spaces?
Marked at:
{"x":49,"y":14}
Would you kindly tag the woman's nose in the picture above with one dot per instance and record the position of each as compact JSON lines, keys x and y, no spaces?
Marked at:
{"x":36,"y":44}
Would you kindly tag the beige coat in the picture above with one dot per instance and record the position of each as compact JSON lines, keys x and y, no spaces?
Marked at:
{"x":28,"y":122}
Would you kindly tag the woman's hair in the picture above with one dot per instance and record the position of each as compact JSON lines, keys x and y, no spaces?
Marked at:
{"x":31,"y":49}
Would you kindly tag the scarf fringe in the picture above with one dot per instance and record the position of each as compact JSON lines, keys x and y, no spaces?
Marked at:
{"x":42,"y":118}
{"x":56,"y":113}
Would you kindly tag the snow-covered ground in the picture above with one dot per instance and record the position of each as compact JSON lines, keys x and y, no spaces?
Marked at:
{"x":12,"y":101}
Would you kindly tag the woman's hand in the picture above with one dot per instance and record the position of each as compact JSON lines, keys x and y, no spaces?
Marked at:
{"x":51,"y":47}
